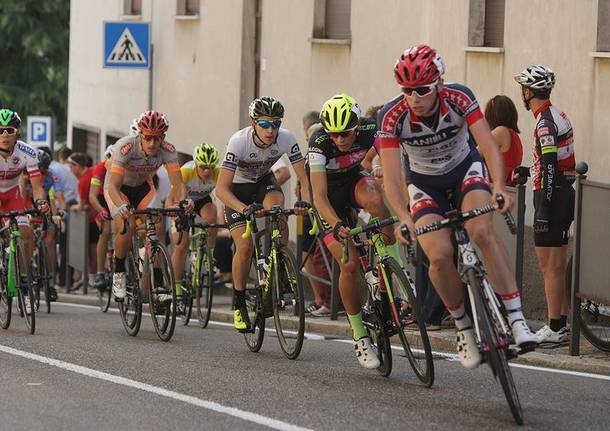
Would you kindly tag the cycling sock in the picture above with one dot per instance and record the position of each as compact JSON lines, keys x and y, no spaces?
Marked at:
{"x":394,"y":250}
{"x":240,"y":299}
{"x":178,"y":287}
{"x":512,"y":304}
{"x":555,"y":324}
{"x":564,"y":321}
{"x":458,"y":312}
{"x":119,"y":264}
{"x":358,"y":330}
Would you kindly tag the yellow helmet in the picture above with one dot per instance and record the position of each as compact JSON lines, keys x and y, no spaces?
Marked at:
{"x":339,"y":113}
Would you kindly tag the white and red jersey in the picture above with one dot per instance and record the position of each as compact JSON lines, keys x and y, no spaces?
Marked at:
{"x":431,"y":151}
{"x":23,"y":158}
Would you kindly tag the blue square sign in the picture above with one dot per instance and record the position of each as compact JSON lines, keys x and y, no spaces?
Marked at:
{"x":39,"y":131}
{"x":127,"y":44}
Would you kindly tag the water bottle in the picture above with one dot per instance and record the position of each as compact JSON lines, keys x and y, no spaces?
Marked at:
{"x":372,"y":281}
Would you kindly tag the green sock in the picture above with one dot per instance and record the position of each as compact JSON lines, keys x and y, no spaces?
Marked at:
{"x":394,"y":251}
{"x":358,"y":330}
{"x":178,"y":287}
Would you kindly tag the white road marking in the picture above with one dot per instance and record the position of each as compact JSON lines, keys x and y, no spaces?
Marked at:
{"x":209,"y":405}
{"x":447,"y":356}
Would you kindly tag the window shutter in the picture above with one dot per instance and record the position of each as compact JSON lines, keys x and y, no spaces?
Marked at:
{"x":494,"y":23}
{"x":337,"y":22}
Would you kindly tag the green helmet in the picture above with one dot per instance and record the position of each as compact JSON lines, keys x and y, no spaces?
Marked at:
{"x":205,"y":155}
{"x":9,"y":118}
{"x":340,"y":113}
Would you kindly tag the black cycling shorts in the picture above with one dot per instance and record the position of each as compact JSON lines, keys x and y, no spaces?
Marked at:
{"x":250,"y":193}
{"x":562,"y":215}
{"x":200,"y":203}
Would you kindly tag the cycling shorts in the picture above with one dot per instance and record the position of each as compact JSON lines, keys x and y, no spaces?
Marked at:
{"x":250,"y":193}
{"x":562,"y":215}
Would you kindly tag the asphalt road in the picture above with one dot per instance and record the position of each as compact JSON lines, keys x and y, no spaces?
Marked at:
{"x":81,"y":371}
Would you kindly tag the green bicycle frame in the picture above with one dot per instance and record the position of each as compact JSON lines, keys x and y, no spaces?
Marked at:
{"x":12,"y":266}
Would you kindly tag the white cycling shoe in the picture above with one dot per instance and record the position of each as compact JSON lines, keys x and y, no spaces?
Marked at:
{"x":467,"y":348}
{"x":522,"y":334}
{"x":366,"y":353}
{"x":119,"y":289}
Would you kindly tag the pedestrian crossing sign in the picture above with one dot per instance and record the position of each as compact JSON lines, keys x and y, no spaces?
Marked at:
{"x":127,"y":44}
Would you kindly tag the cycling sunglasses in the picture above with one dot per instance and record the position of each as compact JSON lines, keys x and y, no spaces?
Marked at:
{"x":265,"y":124}
{"x":8,"y":130}
{"x":341,"y":134}
{"x":422,"y":91}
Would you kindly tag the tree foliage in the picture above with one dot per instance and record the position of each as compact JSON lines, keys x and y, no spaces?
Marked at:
{"x":34,"y":46}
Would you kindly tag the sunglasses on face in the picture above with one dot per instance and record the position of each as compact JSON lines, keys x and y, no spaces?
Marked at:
{"x":265,"y":124}
{"x":8,"y":130}
{"x":343,"y":134}
{"x":149,"y":138}
{"x":420,"y":91}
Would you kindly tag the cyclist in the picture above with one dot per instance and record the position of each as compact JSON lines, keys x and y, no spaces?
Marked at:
{"x":15,"y":157}
{"x":100,"y":207}
{"x":340,"y":185}
{"x":246,"y":185}
{"x":128,"y":185}
{"x":200,"y":176}
{"x":432,"y":121}
{"x":552,"y":176}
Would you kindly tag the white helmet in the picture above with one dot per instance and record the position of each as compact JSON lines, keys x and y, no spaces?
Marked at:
{"x":537,"y":77}
{"x":134,"y":129}
{"x":109,"y":151}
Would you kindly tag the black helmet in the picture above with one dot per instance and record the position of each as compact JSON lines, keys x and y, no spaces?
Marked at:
{"x":44,"y":160}
{"x":266,"y":107}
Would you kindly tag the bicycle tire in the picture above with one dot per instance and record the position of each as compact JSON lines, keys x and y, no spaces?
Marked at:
{"x":401,"y":289}
{"x":187,"y":297}
{"x":6,"y":302}
{"x":43,"y":276}
{"x":495,"y":355}
{"x":130,"y":308}
{"x":164,"y":327}
{"x":254,"y":297}
{"x":24,"y":278}
{"x":373,"y":321}
{"x":205,"y":290}
{"x":594,"y":325}
{"x":289,"y":300}
{"x":104,"y":294}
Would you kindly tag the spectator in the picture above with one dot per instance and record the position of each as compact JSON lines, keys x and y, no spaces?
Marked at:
{"x":501,"y":114}
{"x":78,"y":163}
{"x":552,"y":177}
{"x":313,"y":256}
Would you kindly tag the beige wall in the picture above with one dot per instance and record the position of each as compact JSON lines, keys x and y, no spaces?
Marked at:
{"x":198,"y":66}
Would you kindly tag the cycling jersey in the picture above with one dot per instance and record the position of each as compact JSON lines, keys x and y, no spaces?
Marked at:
{"x":67,"y":184}
{"x":553,"y":149}
{"x":250,"y":162}
{"x":130,"y":161}
{"x":98,"y":175}
{"x":23,"y":158}
{"x":431,"y":151}
{"x":324,"y":156}
{"x":196,"y":188}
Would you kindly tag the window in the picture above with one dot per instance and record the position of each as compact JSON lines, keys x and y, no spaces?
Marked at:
{"x":332,"y":19}
{"x":603,"y":26}
{"x":486,"y":23}
{"x":187,"y":7}
{"x":132,"y":7}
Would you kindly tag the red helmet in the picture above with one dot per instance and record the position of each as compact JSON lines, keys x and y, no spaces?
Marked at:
{"x":417,"y":66}
{"x":153,"y":123}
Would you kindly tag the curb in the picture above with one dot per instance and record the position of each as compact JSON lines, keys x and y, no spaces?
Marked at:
{"x":443,"y":341}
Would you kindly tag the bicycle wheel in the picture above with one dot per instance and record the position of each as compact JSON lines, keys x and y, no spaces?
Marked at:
{"x":6,"y":302}
{"x":254,"y":297}
{"x":187,"y":298}
{"x":162,"y":298}
{"x":205,"y":290}
{"x":494,"y":353}
{"x":407,"y":310}
{"x":373,"y":321}
{"x":44,"y":280}
{"x":288,"y":306}
{"x":25,"y":287}
{"x":104,"y":293}
{"x":131,"y":307}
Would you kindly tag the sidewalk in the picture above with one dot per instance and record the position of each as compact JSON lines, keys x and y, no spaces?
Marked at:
{"x":591,"y":360}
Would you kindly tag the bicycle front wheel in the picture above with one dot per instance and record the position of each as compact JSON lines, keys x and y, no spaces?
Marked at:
{"x":254,"y":304}
{"x":26,"y":288}
{"x":288,"y":306}
{"x":6,"y":302}
{"x":44,"y":280}
{"x":373,"y":321}
{"x":131,"y":307}
{"x":407,"y":311}
{"x":205,"y":289}
{"x":495,"y":355}
{"x":163,"y":293}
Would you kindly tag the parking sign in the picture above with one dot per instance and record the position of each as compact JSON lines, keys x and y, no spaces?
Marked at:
{"x":39,"y":131}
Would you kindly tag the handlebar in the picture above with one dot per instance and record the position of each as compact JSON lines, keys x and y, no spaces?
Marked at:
{"x":374,"y":226}
{"x":273,"y":212}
